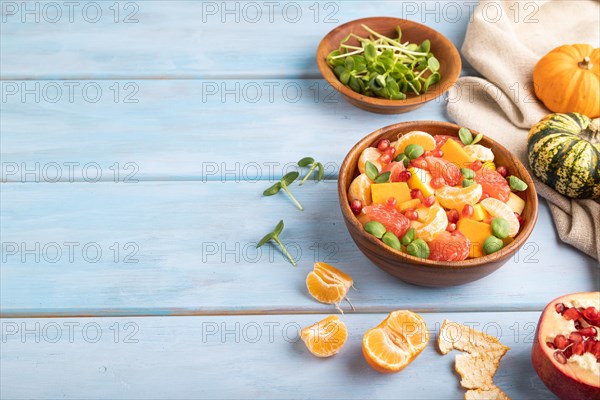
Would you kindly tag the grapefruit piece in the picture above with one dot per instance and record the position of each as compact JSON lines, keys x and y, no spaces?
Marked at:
{"x":328,"y":284}
{"x":395,"y":168}
{"x":436,"y":222}
{"x":326,"y":337}
{"x":423,"y":139}
{"x":496,"y":208}
{"x":457,"y":197}
{"x":442,"y":168}
{"x":392,"y":219}
{"x":493,"y":184}
{"x":448,"y":246}
{"x":395,"y":342}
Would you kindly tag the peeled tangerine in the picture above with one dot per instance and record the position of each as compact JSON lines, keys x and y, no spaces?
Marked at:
{"x":395,"y":342}
{"x":326,"y":337}
{"x":566,"y":354}
{"x":328,"y":284}
{"x":360,"y":189}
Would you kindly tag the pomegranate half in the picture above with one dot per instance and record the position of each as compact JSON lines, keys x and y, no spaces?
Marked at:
{"x":566,"y":353}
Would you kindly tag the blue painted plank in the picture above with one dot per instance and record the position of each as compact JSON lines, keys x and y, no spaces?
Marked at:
{"x":190,"y":39}
{"x":191,"y":251}
{"x":239,"y":357}
{"x":198,"y":130}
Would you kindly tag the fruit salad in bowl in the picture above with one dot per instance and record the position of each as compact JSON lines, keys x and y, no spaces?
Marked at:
{"x":433,"y":194}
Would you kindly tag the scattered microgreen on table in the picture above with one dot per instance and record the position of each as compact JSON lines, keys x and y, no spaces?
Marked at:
{"x":283,"y":184}
{"x":305,"y":162}
{"x":385,"y":67}
{"x":274,"y":236}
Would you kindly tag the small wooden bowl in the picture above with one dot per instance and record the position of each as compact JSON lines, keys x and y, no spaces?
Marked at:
{"x":441,"y":47}
{"x":417,"y":270}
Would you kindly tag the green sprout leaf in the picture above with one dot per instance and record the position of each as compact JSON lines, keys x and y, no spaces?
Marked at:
{"x":306,"y":161}
{"x":477,"y":138}
{"x":371,"y":170}
{"x":516,"y":184}
{"x":274,"y":236}
{"x":465,"y":136}
{"x":273,"y":189}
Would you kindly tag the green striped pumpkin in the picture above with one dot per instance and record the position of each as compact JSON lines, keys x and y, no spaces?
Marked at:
{"x":564,"y":153}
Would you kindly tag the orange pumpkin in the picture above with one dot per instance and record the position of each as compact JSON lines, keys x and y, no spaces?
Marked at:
{"x":568,"y":80}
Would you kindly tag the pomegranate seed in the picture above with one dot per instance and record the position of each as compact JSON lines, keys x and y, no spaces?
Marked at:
{"x":590,"y":331}
{"x":411,"y":214}
{"x":589,"y":345}
{"x":451,"y":227}
{"x":578,"y":348}
{"x":452,"y":215}
{"x":390,"y":150}
{"x":476,"y":165}
{"x":568,"y":352}
{"x":561,"y":342}
{"x":437,"y":183}
{"x":383,"y":145}
{"x":391,"y":202}
{"x":502,"y":171}
{"x":591,"y":315}
{"x":404,"y":176}
{"x":551,"y":345}
{"x":437,"y":153}
{"x":416,"y":194}
{"x":575,"y":337}
{"x":596,"y":349}
{"x":571,"y":314}
{"x":385,"y":158}
{"x":577,"y":325}
{"x":356,"y":206}
{"x":560,"y":357}
{"x":468,"y":211}
{"x":429,"y":200}
{"x":559,"y":307}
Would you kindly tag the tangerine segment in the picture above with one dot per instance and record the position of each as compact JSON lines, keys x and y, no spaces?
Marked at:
{"x":326,"y":337}
{"x":458,"y":197}
{"x":369,"y":154}
{"x":423,"y":139}
{"x":395,"y":342}
{"x":496,"y":208}
{"x":479,"y":152}
{"x":436,"y":222}
{"x":360,"y":189}
{"x":328,"y":284}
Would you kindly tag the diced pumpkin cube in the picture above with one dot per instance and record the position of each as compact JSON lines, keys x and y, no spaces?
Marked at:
{"x":413,"y":203}
{"x":477,"y":232}
{"x":479,"y":213}
{"x":420,"y":179}
{"x":516,"y":203}
{"x":381,"y":192}
{"x":454,"y":153}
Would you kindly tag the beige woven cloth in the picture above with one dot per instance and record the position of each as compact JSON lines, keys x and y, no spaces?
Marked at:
{"x":504,"y":47}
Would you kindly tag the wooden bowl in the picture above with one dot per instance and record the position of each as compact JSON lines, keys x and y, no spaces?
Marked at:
{"x":441,"y":47}
{"x":417,"y":270}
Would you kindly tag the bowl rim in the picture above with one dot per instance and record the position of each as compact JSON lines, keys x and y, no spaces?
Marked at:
{"x":439,"y":88}
{"x":350,"y":218}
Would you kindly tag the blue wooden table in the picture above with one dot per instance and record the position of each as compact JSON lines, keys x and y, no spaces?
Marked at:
{"x":136,"y":140}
